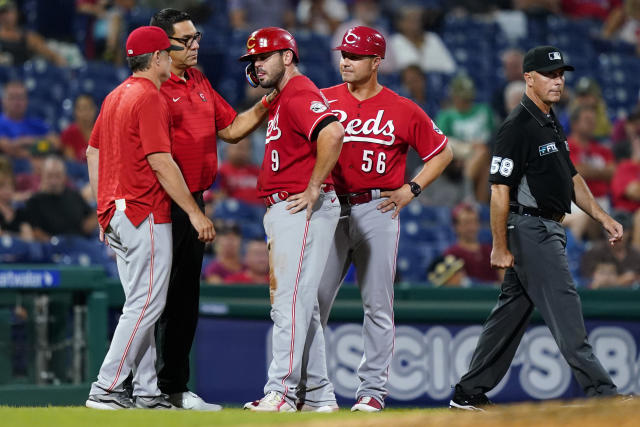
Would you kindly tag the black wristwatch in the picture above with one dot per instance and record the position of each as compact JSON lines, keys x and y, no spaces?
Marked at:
{"x":415,"y":188}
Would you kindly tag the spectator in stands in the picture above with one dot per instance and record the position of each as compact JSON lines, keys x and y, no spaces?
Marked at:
{"x":88,"y":12}
{"x":237,"y":176}
{"x":469,"y":125}
{"x":322,"y":16}
{"x":256,"y":261}
{"x":18,"y":133}
{"x":227,"y":250}
{"x":590,"y":9}
{"x":512,"y":70}
{"x":413,"y":45}
{"x":365,"y":13}
{"x":513,"y":95}
{"x":587,"y":93}
{"x":625,"y":189}
{"x":56,"y":209}
{"x":625,"y":131}
{"x":110,"y":30}
{"x":18,"y":45}
{"x":75,"y":137}
{"x":448,"y":271}
{"x":623,"y":24}
{"x":247,"y":15}
{"x":604,"y":265}
{"x":414,"y":83}
{"x":476,"y":255}
{"x":595,"y":163}
{"x":449,"y":189}
{"x":11,"y":218}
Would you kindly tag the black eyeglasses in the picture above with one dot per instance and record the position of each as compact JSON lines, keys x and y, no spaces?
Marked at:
{"x":188,"y":41}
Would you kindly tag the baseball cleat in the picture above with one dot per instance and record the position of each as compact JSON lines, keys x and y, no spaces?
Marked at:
{"x":109,"y":401}
{"x":468,"y":402}
{"x":324,"y":408}
{"x":154,"y":402}
{"x":367,"y":404}
{"x":271,"y":402}
{"x":190,"y":400}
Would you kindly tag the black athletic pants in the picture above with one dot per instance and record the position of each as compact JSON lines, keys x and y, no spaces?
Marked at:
{"x":177,"y":325}
{"x":540,"y":278}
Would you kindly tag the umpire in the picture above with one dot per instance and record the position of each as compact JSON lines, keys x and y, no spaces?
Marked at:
{"x":532,"y":185}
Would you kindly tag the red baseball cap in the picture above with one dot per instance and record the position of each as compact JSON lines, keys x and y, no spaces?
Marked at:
{"x":148,"y":39}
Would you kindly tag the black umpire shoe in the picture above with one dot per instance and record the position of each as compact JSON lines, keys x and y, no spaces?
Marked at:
{"x":468,"y":402}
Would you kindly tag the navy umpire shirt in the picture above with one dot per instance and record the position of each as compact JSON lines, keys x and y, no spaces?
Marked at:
{"x":531,"y":156}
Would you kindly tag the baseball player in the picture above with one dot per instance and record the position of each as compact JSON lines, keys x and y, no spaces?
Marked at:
{"x":303,"y":143}
{"x":380,"y":126}
{"x":199,"y":115}
{"x":133,"y":175}
{"x":533,"y":182}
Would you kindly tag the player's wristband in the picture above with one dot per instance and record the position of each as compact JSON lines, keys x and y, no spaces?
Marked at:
{"x":264,"y":102}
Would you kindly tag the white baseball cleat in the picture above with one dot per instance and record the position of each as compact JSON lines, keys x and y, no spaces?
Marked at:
{"x":190,"y":400}
{"x":324,"y":408}
{"x":271,"y":402}
{"x":367,"y":404}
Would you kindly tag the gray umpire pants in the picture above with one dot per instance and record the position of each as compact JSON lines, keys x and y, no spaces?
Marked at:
{"x":144,"y":262}
{"x":540,"y":278}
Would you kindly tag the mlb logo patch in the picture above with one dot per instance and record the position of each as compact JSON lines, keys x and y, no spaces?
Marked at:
{"x":318,"y":107}
{"x":547,"y":149}
{"x":555,"y":56}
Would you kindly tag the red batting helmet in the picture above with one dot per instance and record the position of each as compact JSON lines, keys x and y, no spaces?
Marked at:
{"x":363,"y":41}
{"x":269,"y":39}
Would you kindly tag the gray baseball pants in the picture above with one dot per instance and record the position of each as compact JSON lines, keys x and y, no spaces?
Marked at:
{"x":144,"y":263}
{"x":298,"y":251}
{"x":540,"y":278}
{"x":368,"y":238}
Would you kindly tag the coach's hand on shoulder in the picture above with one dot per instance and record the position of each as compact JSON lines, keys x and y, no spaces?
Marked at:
{"x":397,"y":199}
{"x":501,"y":258}
{"x":203,"y":226}
{"x":304,"y":200}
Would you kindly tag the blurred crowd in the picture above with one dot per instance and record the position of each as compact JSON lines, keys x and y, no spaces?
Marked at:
{"x":461,"y":61}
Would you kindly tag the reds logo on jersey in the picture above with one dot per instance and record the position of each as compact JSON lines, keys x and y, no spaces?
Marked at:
{"x":371,"y":130}
{"x":318,"y":107}
{"x":273,"y":131}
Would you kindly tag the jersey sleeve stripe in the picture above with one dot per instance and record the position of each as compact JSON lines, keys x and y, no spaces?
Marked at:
{"x":316,"y":124}
{"x":437,"y":150}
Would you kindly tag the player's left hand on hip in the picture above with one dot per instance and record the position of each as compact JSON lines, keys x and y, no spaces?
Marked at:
{"x":303,"y":200}
{"x":397,"y":199}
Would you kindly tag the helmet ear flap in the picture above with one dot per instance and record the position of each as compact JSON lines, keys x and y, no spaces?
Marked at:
{"x":252,"y":77}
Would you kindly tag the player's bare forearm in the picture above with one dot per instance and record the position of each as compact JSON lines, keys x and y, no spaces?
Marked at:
{"x":586,"y":202}
{"x":328,"y":147}
{"x":171,"y":179}
{"x":431,"y":170}
{"x":245,"y":122}
{"x":93,"y":157}
{"x":329,"y":144}
{"x":501,"y":257}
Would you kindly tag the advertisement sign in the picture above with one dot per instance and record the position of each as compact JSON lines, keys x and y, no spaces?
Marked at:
{"x":233,"y":357}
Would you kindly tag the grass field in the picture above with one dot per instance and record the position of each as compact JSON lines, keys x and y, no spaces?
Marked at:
{"x":592,"y":413}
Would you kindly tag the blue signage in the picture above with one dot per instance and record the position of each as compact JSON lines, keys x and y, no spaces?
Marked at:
{"x":29,"y":279}
{"x":428,"y":359}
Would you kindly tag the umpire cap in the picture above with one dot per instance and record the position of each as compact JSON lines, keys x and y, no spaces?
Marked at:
{"x":270,"y":39}
{"x":362,"y":40}
{"x":544,"y":58}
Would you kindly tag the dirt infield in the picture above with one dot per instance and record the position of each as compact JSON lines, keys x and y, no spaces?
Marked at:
{"x":582,"y":413}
